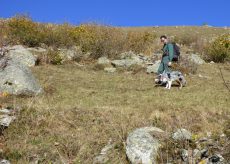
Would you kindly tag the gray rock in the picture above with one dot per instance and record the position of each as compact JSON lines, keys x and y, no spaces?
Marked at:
{"x":141,"y":146}
{"x":110,"y":69}
{"x":204,"y":153}
{"x":216,"y":159}
{"x":16,"y":78}
{"x":196,"y":59}
{"x":127,"y":55}
{"x":4,"y":161}
{"x":37,"y":51}
{"x":124,"y":63}
{"x":212,"y":62}
{"x":103,"y":61}
{"x":128,"y":59}
{"x":20,"y":54}
{"x":196,"y":153}
{"x":184,"y":155}
{"x":73,"y":53}
{"x":152,"y":68}
{"x":5,"y":120}
{"x":5,"y":111}
{"x":182,"y":134}
{"x":103,"y":156}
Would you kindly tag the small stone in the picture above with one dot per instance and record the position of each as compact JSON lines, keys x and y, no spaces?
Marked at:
{"x":204,"y":153}
{"x":103,"y":60}
{"x":196,"y":153}
{"x":184,"y":155}
{"x":56,"y":144}
{"x":217,"y":159}
{"x":103,"y":156}
{"x":110,"y":69}
{"x":4,"y":161}
{"x":204,"y":139}
{"x":5,"y":111}
{"x":182,"y":134}
{"x":212,"y":62}
{"x":5,"y":120}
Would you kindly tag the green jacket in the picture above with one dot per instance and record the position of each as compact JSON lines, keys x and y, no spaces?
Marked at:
{"x":168,"y":51}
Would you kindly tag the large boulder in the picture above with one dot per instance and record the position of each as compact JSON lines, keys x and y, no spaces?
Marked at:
{"x":72,"y":53}
{"x":128,"y":59}
{"x":196,"y":59}
{"x":142,"y":146}
{"x":153,"y":67}
{"x":38,"y":51}
{"x":103,"y":61}
{"x":21,"y":54}
{"x":123,"y":63}
{"x":16,"y":78}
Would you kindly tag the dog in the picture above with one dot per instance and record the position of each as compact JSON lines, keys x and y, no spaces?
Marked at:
{"x":168,"y":77}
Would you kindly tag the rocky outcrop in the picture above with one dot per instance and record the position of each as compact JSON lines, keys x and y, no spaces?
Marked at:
{"x":153,"y":67}
{"x":17,"y":79}
{"x":196,"y":59}
{"x":110,"y":69}
{"x":103,"y":61}
{"x":142,"y":145}
{"x":20,"y":54}
{"x":128,"y":59}
{"x":182,"y":134}
{"x":71,"y":54}
{"x":103,"y":156}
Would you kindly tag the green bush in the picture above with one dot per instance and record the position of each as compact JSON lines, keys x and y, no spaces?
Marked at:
{"x":98,"y":40}
{"x":219,"y":49}
{"x":54,"y":57}
{"x":186,"y":39}
{"x":57,"y":35}
{"x":23,"y":30}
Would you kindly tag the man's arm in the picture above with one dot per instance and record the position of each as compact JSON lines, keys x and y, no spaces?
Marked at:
{"x":170,"y":50}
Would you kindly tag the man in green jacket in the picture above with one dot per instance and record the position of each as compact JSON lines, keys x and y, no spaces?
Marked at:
{"x":167,"y":56}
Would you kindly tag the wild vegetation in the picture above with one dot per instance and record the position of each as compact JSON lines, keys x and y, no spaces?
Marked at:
{"x":101,"y":40}
{"x":83,"y":107}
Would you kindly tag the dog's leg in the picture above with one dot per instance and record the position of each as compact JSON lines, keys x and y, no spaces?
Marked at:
{"x":167,"y":85}
{"x":170,"y":84}
{"x":181,"y":85}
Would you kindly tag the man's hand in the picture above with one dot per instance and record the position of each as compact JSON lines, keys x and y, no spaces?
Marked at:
{"x":169,"y":63}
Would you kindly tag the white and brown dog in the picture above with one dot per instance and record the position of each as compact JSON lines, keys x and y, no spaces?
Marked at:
{"x":168,"y":77}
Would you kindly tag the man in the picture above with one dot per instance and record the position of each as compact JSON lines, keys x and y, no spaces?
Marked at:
{"x":167,"y":56}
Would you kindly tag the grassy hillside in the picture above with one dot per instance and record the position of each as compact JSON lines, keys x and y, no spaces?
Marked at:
{"x":82,"y":109}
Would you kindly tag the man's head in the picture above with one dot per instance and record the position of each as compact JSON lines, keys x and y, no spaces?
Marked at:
{"x":163,"y":39}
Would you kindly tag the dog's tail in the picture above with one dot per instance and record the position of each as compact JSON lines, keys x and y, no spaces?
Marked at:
{"x":182,"y":80}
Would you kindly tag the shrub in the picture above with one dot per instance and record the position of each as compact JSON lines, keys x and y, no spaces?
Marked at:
{"x":186,"y":39}
{"x":23,"y":30}
{"x":98,"y":40}
{"x":54,"y":57}
{"x":219,"y":49}
{"x":57,"y":35}
{"x":185,"y":66}
{"x":139,"y":42}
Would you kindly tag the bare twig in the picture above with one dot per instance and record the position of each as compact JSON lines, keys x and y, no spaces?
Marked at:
{"x":223,"y":79}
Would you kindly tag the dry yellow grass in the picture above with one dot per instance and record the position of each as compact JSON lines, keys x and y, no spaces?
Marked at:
{"x":83,"y":109}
